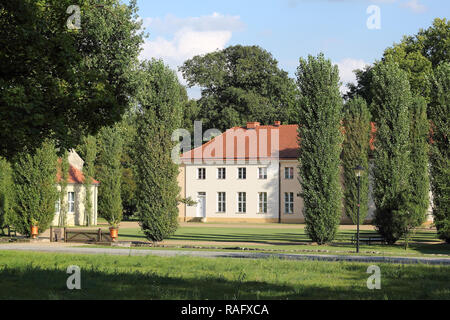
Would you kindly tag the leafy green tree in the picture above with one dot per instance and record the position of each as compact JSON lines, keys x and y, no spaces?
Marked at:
{"x":64,"y":180}
{"x":109,"y":173}
{"x":440,"y":153}
{"x":392,"y":165}
{"x":417,"y":55}
{"x":420,"y":182}
{"x":90,"y":152}
{"x":157,"y":187}
{"x":6,"y":192}
{"x":127,"y":128}
{"x":320,"y":138}
{"x":355,"y":152}
{"x":240,"y":84}
{"x":35,"y":191}
{"x":60,"y":83}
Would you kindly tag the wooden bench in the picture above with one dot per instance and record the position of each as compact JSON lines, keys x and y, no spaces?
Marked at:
{"x":368,"y":238}
{"x":86,"y":235}
{"x":10,"y":231}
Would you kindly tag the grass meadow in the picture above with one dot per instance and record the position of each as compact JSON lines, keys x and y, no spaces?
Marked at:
{"x":292,"y":239}
{"x":28,"y":275}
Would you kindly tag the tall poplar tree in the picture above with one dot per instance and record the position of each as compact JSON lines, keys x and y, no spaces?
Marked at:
{"x":420,"y":181}
{"x":320,"y":140}
{"x":392,"y":167}
{"x":90,"y":152}
{"x":35,"y":189}
{"x":109,"y":173}
{"x":6,"y":192}
{"x":440,"y":152}
{"x":356,"y":152}
{"x":65,"y":167}
{"x":156,"y":173}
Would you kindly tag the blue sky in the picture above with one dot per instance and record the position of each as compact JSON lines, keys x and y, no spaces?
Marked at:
{"x":289,"y":29}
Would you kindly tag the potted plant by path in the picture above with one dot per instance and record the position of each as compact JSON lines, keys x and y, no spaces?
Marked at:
{"x":34,"y":228}
{"x":114,"y":230}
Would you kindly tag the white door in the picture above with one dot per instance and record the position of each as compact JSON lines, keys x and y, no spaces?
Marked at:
{"x":201,"y":205}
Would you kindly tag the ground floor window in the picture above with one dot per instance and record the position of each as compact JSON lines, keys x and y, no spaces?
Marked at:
{"x":57,"y":206}
{"x":71,"y":202}
{"x":221,"y":202}
{"x":289,"y":202}
{"x":242,"y":202}
{"x":262,"y":202}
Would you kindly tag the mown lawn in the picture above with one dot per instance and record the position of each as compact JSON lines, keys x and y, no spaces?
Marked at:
{"x":43,"y":276}
{"x":424,"y":241}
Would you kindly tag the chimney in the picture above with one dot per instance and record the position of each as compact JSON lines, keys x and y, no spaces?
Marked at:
{"x":252,"y":125}
{"x":277,"y":123}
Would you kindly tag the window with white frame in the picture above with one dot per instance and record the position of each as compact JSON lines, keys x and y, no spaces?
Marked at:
{"x":289,"y":173}
{"x":289,"y":202}
{"x":242,"y":173}
{"x":201,"y":173}
{"x":57,"y":205}
{"x":71,"y":202}
{"x":221,"y":173}
{"x":262,"y":173}
{"x":262,"y":202}
{"x":242,"y":202}
{"x":221,"y":202}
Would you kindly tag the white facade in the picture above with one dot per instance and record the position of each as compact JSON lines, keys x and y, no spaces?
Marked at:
{"x":206,"y":192}
{"x":76,"y":213}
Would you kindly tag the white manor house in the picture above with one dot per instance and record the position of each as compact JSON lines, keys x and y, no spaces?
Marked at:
{"x":247,"y":174}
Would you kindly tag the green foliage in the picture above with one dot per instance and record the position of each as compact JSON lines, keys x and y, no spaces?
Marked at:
{"x":240,"y":84}
{"x":6,"y":192}
{"x":35,"y":189}
{"x":355,"y":152}
{"x":90,"y":152}
{"x":320,"y":139}
{"x":127,"y":128}
{"x":420,"y":182}
{"x":61,"y":83}
{"x":392,"y":165}
{"x":62,"y":221}
{"x":417,"y":55}
{"x":109,"y":174}
{"x":440,"y":153}
{"x":157,"y":187}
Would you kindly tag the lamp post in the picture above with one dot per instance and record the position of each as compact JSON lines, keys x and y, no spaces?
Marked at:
{"x":358,"y":172}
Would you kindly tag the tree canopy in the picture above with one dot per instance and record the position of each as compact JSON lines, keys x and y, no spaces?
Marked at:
{"x":240,"y":84}
{"x":61,"y":83}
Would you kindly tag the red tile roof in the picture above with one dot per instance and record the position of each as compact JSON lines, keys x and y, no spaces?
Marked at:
{"x":259,"y":143}
{"x":75,"y":175}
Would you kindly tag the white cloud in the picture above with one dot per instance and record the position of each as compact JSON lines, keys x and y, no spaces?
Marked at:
{"x":213,"y":22}
{"x":346,"y":71}
{"x":180,"y":39}
{"x":415,"y":6}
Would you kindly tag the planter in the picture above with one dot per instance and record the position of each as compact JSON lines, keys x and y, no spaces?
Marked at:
{"x":34,"y":231}
{"x":114,"y":233}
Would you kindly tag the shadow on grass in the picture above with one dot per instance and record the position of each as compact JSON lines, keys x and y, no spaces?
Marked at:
{"x":41,"y":284}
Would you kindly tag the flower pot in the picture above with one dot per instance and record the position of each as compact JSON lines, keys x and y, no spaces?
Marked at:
{"x":114,"y":233}
{"x":34,"y":231}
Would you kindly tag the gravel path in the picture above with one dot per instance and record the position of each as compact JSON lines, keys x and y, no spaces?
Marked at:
{"x":210,"y":254}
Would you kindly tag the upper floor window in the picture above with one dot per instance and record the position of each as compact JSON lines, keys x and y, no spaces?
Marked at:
{"x":71,"y":201}
{"x":289,"y":202}
{"x":242,"y":173}
{"x":201,"y":173}
{"x":289,"y":173}
{"x":262,"y":173}
{"x":221,"y":173}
